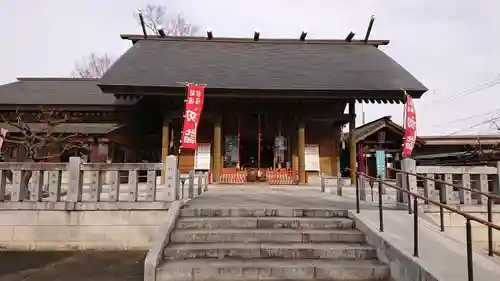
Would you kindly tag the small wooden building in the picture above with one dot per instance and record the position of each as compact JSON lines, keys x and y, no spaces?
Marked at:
{"x":269,"y":104}
{"x":379,"y":135}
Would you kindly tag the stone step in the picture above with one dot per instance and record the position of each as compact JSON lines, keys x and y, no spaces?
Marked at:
{"x":264,"y":222}
{"x":271,"y":269}
{"x":261,"y":212}
{"x":266,"y":235}
{"x":336,"y":251}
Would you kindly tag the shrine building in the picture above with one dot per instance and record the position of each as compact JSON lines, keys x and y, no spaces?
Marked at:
{"x":270,"y":104}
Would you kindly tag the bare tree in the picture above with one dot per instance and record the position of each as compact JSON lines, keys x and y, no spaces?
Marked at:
{"x":92,"y":66}
{"x":41,"y":143}
{"x":156,"y":16}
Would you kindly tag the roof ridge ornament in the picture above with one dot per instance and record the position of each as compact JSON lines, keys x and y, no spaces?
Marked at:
{"x":210,"y":35}
{"x":369,"y":29}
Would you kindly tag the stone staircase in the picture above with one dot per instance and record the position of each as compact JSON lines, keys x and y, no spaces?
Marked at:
{"x":268,"y":244}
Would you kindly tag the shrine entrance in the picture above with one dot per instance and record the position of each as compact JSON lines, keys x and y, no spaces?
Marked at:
{"x":257,"y":146}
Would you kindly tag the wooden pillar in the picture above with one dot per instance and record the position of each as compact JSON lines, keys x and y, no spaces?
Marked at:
{"x":335,"y":153}
{"x":165,"y":143}
{"x":295,"y":154}
{"x":352,"y":140}
{"x":217,"y":149}
{"x":301,"y":143}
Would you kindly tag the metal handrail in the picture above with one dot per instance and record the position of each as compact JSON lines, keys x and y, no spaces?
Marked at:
{"x":469,"y":218}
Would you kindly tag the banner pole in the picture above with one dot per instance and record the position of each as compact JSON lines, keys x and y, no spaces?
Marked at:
{"x":186,"y":84}
{"x":404,"y":124}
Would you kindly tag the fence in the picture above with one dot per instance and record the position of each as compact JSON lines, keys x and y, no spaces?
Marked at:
{"x":281,"y":177}
{"x":483,"y":179}
{"x":96,"y":182}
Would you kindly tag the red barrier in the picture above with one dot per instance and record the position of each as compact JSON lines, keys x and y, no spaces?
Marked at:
{"x":233,"y":176}
{"x":281,"y":176}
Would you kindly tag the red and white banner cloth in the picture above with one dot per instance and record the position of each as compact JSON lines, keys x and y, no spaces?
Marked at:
{"x":192,"y":113}
{"x":410,"y":127}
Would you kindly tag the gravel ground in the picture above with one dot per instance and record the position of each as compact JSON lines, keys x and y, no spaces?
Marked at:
{"x":72,"y":266}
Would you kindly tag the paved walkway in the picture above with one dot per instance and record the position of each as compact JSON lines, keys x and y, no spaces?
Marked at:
{"x":440,"y":255}
{"x":278,"y":196}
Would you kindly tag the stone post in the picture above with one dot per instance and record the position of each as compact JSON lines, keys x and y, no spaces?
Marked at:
{"x":75,"y":182}
{"x":410,"y":166}
{"x":496,"y":182}
{"x":172,"y":180}
{"x":400,"y":178}
{"x":191,"y":184}
{"x":465,"y":195}
{"x":483,"y":187}
{"x":200,"y":187}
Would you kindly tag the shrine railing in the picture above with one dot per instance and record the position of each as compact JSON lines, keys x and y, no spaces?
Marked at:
{"x":95,"y":182}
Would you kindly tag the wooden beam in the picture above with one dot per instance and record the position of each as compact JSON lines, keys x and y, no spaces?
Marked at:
{"x":135,"y":37}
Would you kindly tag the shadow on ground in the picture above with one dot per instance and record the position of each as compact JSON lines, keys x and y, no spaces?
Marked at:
{"x":72,"y":266}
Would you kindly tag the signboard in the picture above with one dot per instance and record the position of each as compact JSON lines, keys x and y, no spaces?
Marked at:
{"x":202,"y":156}
{"x":312,"y":157}
{"x":231,"y":151}
{"x":410,"y":127}
{"x":381,"y":166}
{"x":192,"y":113}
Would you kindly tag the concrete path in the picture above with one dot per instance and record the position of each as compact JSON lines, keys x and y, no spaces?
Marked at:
{"x":440,"y":255}
{"x":274,"y":196}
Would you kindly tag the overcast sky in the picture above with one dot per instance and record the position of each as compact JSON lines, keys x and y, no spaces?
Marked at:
{"x":449,"y":45}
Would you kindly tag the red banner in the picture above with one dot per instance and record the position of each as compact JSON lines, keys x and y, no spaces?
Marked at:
{"x":192,"y":113}
{"x":410,"y":127}
{"x":363,"y":161}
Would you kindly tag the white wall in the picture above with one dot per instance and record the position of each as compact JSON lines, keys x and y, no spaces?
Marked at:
{"x":78,"y":230}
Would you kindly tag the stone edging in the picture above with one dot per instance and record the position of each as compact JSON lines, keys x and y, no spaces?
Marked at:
{"x":85,"y":206}
{"x":402,"y":265}
{"x":155,"y":253}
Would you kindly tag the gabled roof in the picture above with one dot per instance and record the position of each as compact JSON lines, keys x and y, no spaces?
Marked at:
{"x":374,"y":126}
{"x":55,"y":91}
{"x":291,"y":67}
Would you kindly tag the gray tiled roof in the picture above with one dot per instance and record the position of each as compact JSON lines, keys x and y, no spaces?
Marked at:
{"x":260,"y":65}
{"x":55,"y":91}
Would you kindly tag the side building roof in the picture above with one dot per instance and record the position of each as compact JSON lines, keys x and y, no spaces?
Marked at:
{"x":319,"y":68}
{"x":56,"y":91}
{"x":368,"y":129}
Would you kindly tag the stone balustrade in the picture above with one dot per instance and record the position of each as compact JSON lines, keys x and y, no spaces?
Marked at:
{"x":482,"y":178}
{"x":77,"y":181}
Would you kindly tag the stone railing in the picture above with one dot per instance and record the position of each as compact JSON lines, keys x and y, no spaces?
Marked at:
{"x":481,"y":178}
{"x":97,"y":182}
